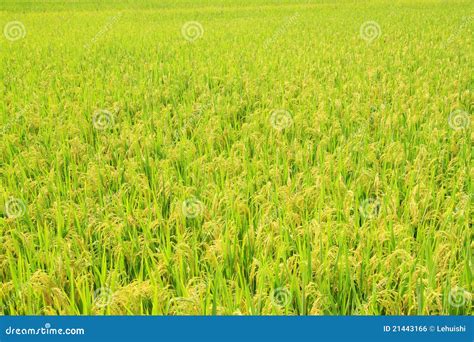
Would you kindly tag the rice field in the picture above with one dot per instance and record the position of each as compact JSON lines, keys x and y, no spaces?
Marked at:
{"x":236,"y":157}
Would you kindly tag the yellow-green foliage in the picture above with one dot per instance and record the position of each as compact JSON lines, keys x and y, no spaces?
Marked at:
{"x":236,"y":157}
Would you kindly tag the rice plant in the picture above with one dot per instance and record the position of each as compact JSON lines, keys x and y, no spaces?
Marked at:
{"x":236,"y":157}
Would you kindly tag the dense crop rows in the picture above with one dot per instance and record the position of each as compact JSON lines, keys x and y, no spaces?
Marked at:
{"x":252,"y":157}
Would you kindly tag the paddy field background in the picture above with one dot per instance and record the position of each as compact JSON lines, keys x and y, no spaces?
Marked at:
{"x":236,"y":157}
